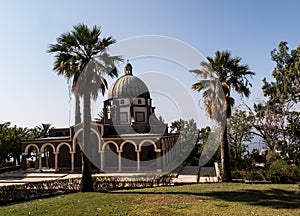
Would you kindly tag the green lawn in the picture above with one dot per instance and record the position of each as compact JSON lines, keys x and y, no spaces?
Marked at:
{"x":200,"y":199}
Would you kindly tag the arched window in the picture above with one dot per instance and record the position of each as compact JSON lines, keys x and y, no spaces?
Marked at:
{"x":139,"y":101}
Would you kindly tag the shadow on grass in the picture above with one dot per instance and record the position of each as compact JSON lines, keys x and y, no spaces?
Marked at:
{"x":274,"y":198}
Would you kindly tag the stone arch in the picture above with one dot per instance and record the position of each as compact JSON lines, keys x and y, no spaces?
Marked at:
{"x":35,"y":163}
{"x":150,"y":141}
{"x":128,"y":141}
{"x":148,"y":151}
{"x":63,"y":143}
{"x":107,"y":143}
{"x":80,"y":131}
{"x":46,"y":144}
{"x":74,"y":139}
{"x":111,"y":156}
{"x":28,"y":146}
{"x":129,"y":156}
{"x":47,"y":156}
{"x":64,"y":157}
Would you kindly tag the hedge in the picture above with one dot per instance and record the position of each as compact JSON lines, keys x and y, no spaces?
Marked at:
{"x":34,"y":190}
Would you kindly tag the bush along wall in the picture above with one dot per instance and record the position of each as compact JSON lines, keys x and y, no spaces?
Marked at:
{"x":279,"y":171}
{"x":34,"y":190}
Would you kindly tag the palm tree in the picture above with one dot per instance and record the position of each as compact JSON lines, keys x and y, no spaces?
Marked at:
{"x":219,"y":76}
{"x":43,"y":130}
{"x":81,"y":55}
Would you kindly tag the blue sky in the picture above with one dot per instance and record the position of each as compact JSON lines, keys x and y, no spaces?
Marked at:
{"x":31,"y":93}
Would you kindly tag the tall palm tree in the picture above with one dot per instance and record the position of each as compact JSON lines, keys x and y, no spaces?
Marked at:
{"x":219,"y":76}
{"x":77,"y":53}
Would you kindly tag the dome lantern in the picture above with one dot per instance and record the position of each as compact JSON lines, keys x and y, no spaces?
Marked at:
{"x":128,"y":69}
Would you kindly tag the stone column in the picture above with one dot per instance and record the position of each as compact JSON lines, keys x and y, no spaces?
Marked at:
{"x":158,"y":160}
{"x":56,"y":160}
{"x":40,"y":161}
{"x":169,"y":153}
{"x":101,"y":161}
{"x":138,"y":160}
{"x":46,"y":157}
{"x":163,"y":149}
{"x":119,"y":160}
{"x":72,"y":160}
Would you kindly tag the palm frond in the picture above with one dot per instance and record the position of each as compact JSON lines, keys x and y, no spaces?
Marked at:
{"x":230,"y":74}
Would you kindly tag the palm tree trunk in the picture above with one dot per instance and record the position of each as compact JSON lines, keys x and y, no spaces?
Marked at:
{"x":225,"y":158}
{"x":86,"y":180}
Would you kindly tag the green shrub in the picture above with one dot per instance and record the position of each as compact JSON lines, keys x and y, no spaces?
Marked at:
{"x":34,"y":190}
{"x":278,"y":170}
{"x":296,"y":171}
{"x":237,"y":175}
{"x":254,"y":176}
{"x":271,"y":157}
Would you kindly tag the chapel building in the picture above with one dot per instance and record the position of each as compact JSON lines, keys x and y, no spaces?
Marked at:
{"x":128,"y":137}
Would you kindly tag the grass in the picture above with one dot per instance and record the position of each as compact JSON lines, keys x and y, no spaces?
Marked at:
{"x":200,"y":199}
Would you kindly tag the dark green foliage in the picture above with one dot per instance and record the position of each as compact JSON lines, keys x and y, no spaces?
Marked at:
{"x":296,"y":171}
{"x":237,"y":174}
{"x":10,"y":142}
{"x":254,"y":176}
{"x":188,"y":137}
{"x":275,"y":121}
{"x":278,"y":170}
{"x":193,"y":159}
{"x":239,"y":133}
{"x":293,"y":127}
{"x":293,"y":155}
{"x":286,"y":74}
